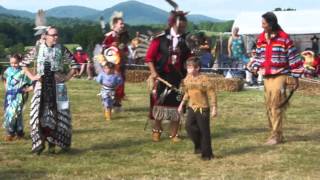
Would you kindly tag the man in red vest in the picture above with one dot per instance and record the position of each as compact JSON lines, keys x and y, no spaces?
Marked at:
{"x":166,"y":58}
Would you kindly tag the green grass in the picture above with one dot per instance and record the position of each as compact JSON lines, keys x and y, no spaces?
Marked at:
{"x":122,"y":150}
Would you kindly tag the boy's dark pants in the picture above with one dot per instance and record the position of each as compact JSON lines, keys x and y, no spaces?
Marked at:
{"x":198,"y":129}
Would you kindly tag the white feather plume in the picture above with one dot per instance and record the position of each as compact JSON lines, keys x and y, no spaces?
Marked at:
{"x":102,"y":23}
{"x":40,"y":18}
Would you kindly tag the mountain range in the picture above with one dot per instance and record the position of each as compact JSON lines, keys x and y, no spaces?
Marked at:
{"x":135,"y":13}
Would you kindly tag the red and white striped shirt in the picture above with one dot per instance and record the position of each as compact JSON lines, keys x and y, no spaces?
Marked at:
{"x":278,"y":56}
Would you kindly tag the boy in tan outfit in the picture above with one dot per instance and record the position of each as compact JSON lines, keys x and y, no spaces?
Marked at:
{"x":198,"y":89}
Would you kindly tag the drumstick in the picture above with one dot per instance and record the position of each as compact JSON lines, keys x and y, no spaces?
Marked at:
{"x":164,"y":82}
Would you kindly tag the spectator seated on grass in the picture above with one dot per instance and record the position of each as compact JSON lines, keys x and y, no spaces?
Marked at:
{"x":83,"y":59}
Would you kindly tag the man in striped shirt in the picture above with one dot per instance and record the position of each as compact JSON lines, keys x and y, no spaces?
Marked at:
{"x":276,"y":59}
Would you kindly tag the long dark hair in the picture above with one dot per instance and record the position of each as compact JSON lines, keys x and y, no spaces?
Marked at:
{"x":272,"y":20}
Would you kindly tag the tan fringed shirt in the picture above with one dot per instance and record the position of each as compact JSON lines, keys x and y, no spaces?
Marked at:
{"x":198,"y":90}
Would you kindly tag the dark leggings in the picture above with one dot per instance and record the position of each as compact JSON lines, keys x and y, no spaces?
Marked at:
{"x":198,"y":129}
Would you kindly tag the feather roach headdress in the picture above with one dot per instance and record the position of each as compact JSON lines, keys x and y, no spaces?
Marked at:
{"x":176,"y":15}
{"x":102,"y":24}
{"x":41,"y":23}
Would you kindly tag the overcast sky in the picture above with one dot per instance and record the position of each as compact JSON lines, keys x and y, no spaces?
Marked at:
{"x":222,"y":9}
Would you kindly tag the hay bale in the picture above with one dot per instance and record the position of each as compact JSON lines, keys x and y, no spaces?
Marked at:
{"x":221,"y":83}
{"x":136,"y":76}
{"x":230,"y":85}
{"x":306,"y":86}
{"x":214,"y":75}
{"x":309,"y":87}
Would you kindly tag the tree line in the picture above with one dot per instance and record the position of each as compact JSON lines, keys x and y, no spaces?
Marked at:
{"x":16,"y":33}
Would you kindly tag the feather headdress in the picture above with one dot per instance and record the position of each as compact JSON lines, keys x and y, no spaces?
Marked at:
{"x":173,"y":4}
{"x":102,"y":23}
{"x":41,"y":23}
{"x":175,"y":14}
{"x":40,"y":18}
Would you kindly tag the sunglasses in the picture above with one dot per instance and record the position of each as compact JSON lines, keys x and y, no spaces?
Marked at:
{"x":53,"y":35}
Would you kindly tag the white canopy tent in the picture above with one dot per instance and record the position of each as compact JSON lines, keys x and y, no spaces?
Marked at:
{"x":301,"y":25}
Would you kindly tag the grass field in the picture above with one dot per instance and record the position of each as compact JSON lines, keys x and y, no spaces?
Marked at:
{"x":122,"y":150}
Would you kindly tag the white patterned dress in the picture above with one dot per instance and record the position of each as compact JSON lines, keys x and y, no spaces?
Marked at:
{"x":50,"y":113}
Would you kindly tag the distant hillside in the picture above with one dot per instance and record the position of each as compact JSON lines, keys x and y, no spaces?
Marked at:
{"x":71,"y":12}
{"x":136,"y":13}
{"x":139,"y":13}
{"x":16,"y":12}
{"x":5,"y":18}
{"x":197,"y":18}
